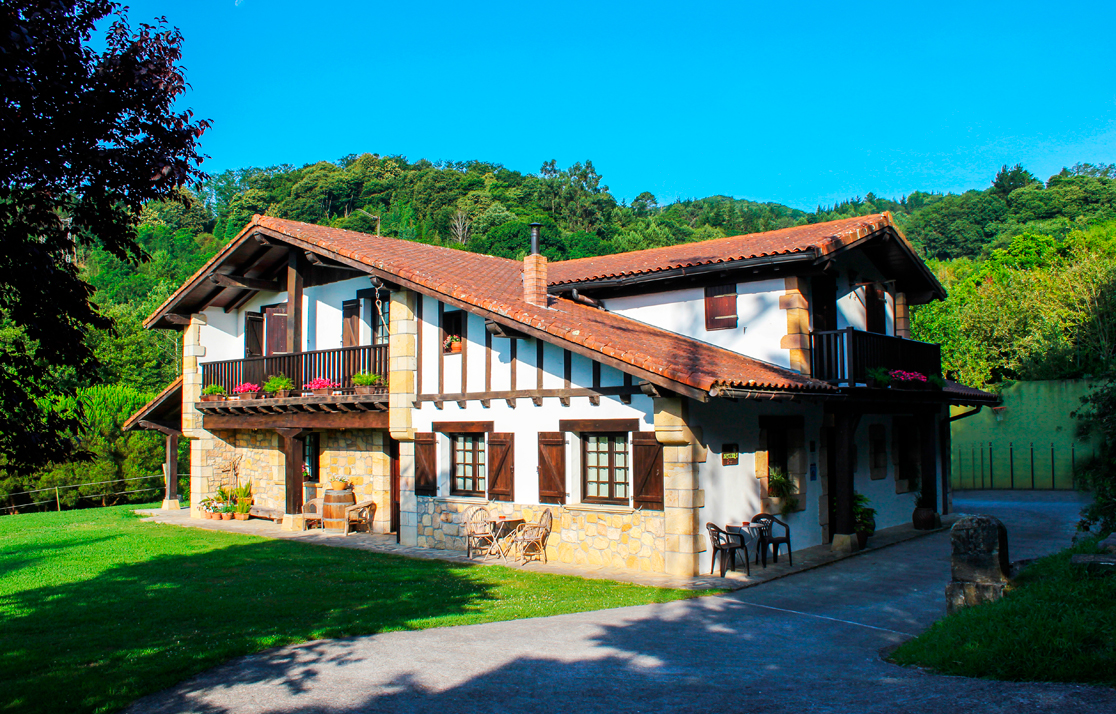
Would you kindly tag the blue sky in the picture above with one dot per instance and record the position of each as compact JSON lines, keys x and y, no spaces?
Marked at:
{"x":797,"y":102}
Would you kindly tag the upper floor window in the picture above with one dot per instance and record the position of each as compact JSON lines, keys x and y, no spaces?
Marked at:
{"x":453,"y":331}
{"x":467,"y":465}
{"x":875,"y":308}
{"x":607,"y":477}
{"x":720,"y":307}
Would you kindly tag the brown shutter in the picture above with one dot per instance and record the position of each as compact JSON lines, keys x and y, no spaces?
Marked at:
{"x":648,"y":465}
{"x":426,"y":464}
{"x":720,"y":307}
{"x":501,"y":465}
{"x":350,"y":323}
{"x":275,"y":329}
{"x":253,"y":335}
{"x":552,"y":467}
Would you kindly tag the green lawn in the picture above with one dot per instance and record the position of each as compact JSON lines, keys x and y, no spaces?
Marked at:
{"x":1055,"y":625}
{"x":98,"y":608}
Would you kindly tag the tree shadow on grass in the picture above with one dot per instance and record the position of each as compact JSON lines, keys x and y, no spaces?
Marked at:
{"x":14,"y":559}
{"x":137,"y":628}
{"x":711,"y":654}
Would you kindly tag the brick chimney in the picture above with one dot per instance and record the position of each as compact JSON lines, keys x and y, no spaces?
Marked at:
{"x":534,"y":271}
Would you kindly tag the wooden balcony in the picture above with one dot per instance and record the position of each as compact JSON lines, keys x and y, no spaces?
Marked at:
{"x":337,"y":365}
{"x":845,"y":356}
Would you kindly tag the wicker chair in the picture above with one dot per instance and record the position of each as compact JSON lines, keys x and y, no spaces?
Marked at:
{"x":312,"y":513}
{"x":530,"y":538}
{"x":360,"y":514}
{"x":478,"y":531}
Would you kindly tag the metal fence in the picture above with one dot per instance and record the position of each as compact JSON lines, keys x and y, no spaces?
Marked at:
{"x":1026,"y":465}
{"x":56,"y":492}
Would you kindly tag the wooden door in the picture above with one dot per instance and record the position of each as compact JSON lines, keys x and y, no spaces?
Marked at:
{"x":552,"y":467}
{"x":275,"y":329}
{"x":350,"y":323}
{"x":501,"y":467}
{"x":253,"y":334}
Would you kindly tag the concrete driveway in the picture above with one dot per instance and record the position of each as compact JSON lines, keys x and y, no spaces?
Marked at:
{"x":807,"y":643}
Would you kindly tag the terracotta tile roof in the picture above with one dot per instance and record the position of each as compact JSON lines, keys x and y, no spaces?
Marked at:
{"x":960,"y":394}
{"x":818,"y":239}
{"x":496,"y":285}
{"x":172,"y":392}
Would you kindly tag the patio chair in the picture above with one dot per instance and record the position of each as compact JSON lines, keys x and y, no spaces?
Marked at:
{"x":360,"y":514}
{"x":478,"y":530}
{"x":765,"y":521}
{"x":312,"y":513}
{"x":723,"y":543}
{"x":530,"y":538}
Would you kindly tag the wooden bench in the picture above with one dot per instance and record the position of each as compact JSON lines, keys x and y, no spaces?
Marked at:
{"x":269,"y":513}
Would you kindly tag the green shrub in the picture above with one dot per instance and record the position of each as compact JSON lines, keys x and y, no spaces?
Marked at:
{"x":366,"y":379}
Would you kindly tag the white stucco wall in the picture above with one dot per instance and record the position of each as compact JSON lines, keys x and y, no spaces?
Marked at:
{"x":760,"y":327}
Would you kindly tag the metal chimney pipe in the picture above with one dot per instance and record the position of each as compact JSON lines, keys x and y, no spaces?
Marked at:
{"x":535,"y":227}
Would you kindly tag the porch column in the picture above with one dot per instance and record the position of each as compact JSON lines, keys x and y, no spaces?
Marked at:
{"x":293,"y":443}
{"x":170,"y":502}
{"x":945,"y":450}
{"x":928,"y":446}
{"x":844,"y":434}
{"x":682,"y":496}
{"x":402,"y":365}
{"x":295,"y":270}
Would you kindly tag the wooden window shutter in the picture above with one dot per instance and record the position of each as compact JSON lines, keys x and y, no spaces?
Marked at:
{"x":426,"y":464}
{"x":720,"y":307}
{"x":501,"y":467}
{"x":253,"y":335}
{"x":647,"y":462}
{"x":552,"y":467}
{"x":350,"y":323}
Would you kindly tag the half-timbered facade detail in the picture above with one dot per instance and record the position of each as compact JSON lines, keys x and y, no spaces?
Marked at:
{"x":638,"y":395}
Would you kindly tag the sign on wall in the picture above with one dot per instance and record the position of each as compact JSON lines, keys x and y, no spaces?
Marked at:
{"x":730,"y":455}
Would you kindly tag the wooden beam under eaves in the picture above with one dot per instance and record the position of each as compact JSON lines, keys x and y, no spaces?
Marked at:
{"x":176,"y":319}
{"x":497,"y":330}
{"x":244,"y":283}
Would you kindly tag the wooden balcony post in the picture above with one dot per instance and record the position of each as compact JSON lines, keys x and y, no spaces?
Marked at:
{"x":172,"y":467}
{"x":928,"y":446}
{"x":294,"y":301}
{"x":845,"y":423}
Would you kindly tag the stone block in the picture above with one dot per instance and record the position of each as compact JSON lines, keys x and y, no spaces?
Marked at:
{"x":1108,"y":545}
{"x":844,"y":543}
{"x":979,"y":550}
{"x":960,"y":595}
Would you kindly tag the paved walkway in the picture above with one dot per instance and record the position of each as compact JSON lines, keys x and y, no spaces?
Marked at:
{"x":808,"y":643}
{"x":805,"y":559}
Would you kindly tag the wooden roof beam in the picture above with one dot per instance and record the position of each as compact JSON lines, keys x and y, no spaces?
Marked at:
{"x":244,"y":282}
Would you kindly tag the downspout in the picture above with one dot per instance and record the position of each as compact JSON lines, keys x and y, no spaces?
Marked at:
{"x":945,"y":447}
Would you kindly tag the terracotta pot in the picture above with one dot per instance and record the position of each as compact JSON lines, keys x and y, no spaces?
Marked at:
{"x":322,"y":392}
{"x":226,"y":516}
{"x":248,"y":395}
{"x":370,"y":389}
{"x":455,"y":347}
{"x":925,"y":519}
{"x":213,"y":397}
{"x":339,"y":485}
{"x":241,"y":516}
{"x":281,"y":393}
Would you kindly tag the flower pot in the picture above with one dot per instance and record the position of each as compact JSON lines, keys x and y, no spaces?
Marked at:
{"x":226,"y":516}
{"x":213,"y":397}
{"x":241,"y":516}
{"x":875,"y":383}
{"x":248,"y":395}
{"x":455,"y":347}
{"x":925,"y":519}
{"x":862,"y":539}
{"x":322,"y":392}
{"x":281,"y":393}
{"x":339,"y":485}
{"x":370,"y":389}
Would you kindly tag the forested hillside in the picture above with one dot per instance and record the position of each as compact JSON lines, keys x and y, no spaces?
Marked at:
{"x":1029,"y":264}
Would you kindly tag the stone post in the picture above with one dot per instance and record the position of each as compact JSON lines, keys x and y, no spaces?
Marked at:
{"x":682,"y":496}
{"x":201,"y":441}
{"x":402,"y":366}
{"x":797,"y":339}
{"x":980,"y":564}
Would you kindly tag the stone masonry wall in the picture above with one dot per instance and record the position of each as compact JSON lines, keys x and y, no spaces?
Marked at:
{"x":229,"y":458}
{"x":630,"y":540}
{"x":359,"y":455}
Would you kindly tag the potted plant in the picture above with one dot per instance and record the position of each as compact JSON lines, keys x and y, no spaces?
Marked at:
{"x":907,"y":380}
{"x":864,"y":519}
{"x":278,"y":386}
{"x":452,"y":344}
{"x":243,"y":495}
{"x":367,"y":383}
{"x":227,"y":512}
{"x":246,"y":390}
{"x":925,"y":516}
{"x":339,"y":483}
{"x":321,"y":386}
{"x":878,"y":378}
{"x":783,"y":491}
{"x":213,"y":393}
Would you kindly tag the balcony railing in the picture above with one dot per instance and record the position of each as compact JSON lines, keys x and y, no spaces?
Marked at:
{"x":337,"y":365}
{"x":845,"y":356}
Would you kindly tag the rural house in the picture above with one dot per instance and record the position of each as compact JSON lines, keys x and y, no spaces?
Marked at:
{"x":637,"y":395}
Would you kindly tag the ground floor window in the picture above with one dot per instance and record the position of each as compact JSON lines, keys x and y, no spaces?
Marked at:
{"x":605,"y":468}
{"x":310,"y":457}
{"x":467,"y":466}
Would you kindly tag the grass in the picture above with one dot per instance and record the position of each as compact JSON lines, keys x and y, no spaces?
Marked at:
{"x":98,"y":608}
{"x":1056,"y":625}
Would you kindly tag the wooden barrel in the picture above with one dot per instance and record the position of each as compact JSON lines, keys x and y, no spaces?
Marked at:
{"x":333,"y":508}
